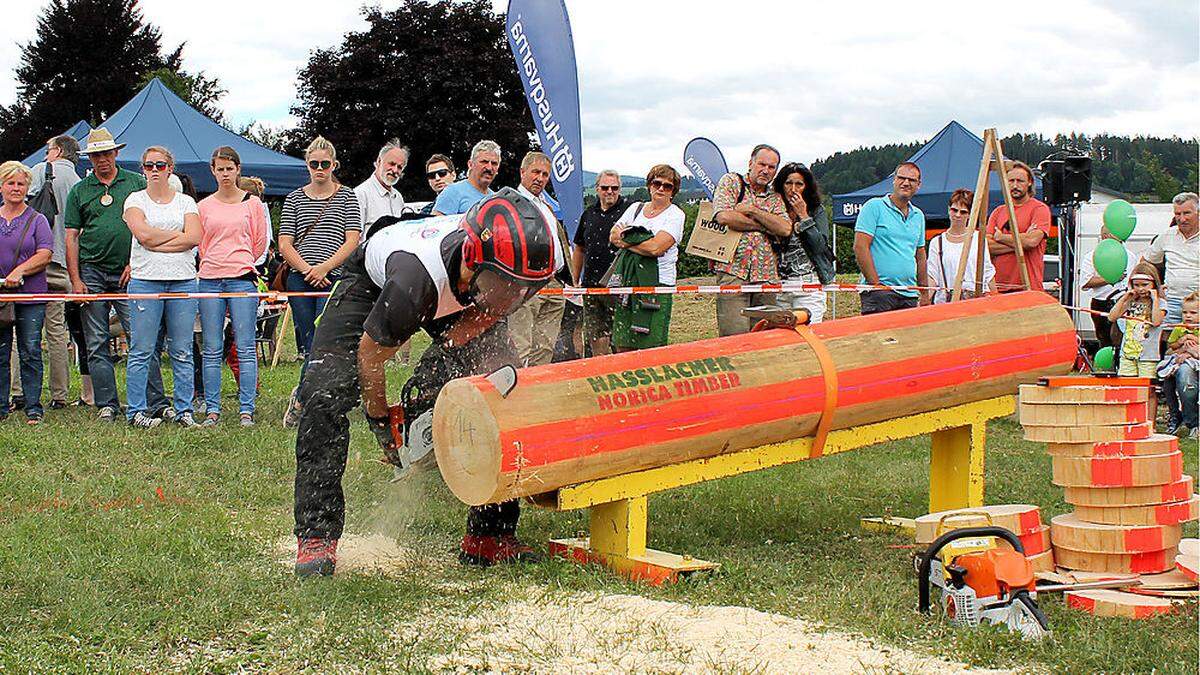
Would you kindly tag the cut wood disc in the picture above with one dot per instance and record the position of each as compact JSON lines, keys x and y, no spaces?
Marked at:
{"x":1020,"y":519}
{"x":1158,"y":514}
{"x":1118,"y":471}
{"x":1089,"y":434}
{"x":1084,"y":576}
{"x":1104,"y":602}
{"x":1176,"y":491}
{"x":1087,"y":414}
{"x":1042,"y":562}
{"x":1152,"y":562}
{"x":1033,"y":393}
{"x":1157,"y":444}
{"x":1188,"y":559}
{"x":1187,"y":594}
{"x":1035,"y":543}
{"x":1070,"y":532}
{"x":1172,"y":580}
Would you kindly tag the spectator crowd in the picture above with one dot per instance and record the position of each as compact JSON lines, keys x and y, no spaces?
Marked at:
{"x":114,"y":231}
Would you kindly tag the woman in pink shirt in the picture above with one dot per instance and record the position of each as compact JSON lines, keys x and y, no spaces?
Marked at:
{"x":233,"y":237}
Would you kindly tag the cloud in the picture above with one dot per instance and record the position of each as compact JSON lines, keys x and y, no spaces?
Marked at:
{"x":811,"y":78}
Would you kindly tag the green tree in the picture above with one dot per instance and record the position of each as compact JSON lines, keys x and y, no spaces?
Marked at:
{"x":87,"y":60}
{"x":437,"y":75}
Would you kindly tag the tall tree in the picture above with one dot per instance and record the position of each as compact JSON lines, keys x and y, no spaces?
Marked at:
{"x":87,"y":60}
{"x":437,"y":75}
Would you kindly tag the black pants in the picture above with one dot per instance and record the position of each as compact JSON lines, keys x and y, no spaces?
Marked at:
{"x":874,"y":302}
{"x":1106,"y":331}
{"x":330,"y":390}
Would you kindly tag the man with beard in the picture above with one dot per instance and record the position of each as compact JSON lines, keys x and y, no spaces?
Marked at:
{"x":1033,"y":226}
{"x":481,"y":171}
{"x":377,"y":195}
{"x":456,"y":278}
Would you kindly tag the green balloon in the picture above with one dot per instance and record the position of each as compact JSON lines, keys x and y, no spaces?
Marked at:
{"x":1110,"y":259}
{"x":1104,"y":359}
{"x":1120,"y":218}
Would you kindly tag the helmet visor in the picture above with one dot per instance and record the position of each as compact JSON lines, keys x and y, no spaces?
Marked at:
{"x":496,"y":295}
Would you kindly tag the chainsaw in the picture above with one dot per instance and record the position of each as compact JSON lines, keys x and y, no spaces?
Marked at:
{"x":982,"y":582}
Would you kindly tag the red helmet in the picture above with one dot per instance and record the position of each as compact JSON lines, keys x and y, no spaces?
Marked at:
{"x":507,"y":233}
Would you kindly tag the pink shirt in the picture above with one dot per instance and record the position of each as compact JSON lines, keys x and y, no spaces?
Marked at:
{"x":234,"y":237}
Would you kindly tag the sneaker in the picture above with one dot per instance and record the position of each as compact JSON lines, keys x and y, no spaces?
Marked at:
{"x":1180,"y":430}
{"x":186,"y":420}
{"x":57,"y":405}
{"x":485,"y":551}
{"x":246,"y":419}
{"x":1195,"y":434}
{"x":107,"y":414}
{"x":291,"y":416}
{"x":315,"y":556}
{"x":166,"y":414}
{"x":210,"y":420}
{"x":143,"y":421}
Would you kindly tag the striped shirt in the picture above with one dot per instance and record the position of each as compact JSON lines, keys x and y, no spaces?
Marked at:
{"x":324,"y":239}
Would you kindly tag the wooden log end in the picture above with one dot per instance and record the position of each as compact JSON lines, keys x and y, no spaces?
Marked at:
{"x":1069,"y":531}
{"x":1118,"y":471}
{"x":1033,"y":393}
{"x":1151,"y":562}
{"x":1105,"y":602}
{"x":466,"y":441}
{"x":1156,"y":444}
{"x":1175,"y":491}
{"x":1172,"y":513}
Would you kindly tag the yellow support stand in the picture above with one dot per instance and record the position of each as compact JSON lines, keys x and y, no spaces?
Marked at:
{"x":619,"y":506}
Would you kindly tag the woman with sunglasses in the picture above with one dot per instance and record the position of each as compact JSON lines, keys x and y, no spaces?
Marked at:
{"x":647,"y":235}
{"x":945,"y":250}
{"x":806,"y":255}
{"x":233,"y":237}
{"x":166,"y":228}
{"x":319,"y":228}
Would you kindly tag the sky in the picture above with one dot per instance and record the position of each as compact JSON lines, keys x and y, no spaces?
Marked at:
{"x":810,"y":77}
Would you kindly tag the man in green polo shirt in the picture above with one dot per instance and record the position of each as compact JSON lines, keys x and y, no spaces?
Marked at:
{"x":98,"y":243}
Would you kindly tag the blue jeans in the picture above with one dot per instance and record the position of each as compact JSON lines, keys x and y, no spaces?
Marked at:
{"x":1186,"y":380}
{"x":96,"y":335}
{"x":28,"y":331}
{"x":305,"y":310}
{"x":146,"y":318}
{"x":244,"y":314}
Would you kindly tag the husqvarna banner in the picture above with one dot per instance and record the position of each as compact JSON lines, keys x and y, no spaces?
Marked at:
{"x":703,"y":159}
{"x":539,"y":34}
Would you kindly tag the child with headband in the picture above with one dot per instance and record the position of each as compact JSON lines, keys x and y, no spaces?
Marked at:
{"x":1139,"y":314}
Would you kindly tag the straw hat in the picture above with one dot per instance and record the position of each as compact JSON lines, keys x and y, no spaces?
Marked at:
{"x":100,"y":140}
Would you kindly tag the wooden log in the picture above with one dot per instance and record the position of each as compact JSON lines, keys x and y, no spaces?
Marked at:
{"x":1188,"y":559}
{"x":1088,"y":434}
{"x":1172,"y":580}
{"x":1020,"y":519}
{"x":1150,"y":562}
{"x":1117,"y":471}
{"x":1083,"y":414}
{"x":1173,"y":513}
{"x":1175,"y":491}
{"x":1156,"y":444}
{"x":569,"y":423}
{"x":1103,"y":602}
{"x":1068,"y":531}
{"x":1042,"y":562}
{"x":1033,"y":393}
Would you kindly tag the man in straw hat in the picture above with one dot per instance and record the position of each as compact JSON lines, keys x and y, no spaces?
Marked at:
{"x":98,"y":243}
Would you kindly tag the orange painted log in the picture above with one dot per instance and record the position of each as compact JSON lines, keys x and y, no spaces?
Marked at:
{"x":568,"y":423}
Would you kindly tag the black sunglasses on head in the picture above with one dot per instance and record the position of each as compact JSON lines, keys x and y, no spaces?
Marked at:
{"x":319,"y":164}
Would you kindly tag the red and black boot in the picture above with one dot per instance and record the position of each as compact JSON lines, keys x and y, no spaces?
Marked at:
{"x":487,"y":550}
{"x":315,"y":556}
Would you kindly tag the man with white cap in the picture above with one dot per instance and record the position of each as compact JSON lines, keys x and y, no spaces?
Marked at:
{"x":98,"y":244}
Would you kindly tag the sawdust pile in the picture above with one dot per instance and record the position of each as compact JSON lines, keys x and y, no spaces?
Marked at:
{"x":360,"y":554}
{"x":622,"y":633}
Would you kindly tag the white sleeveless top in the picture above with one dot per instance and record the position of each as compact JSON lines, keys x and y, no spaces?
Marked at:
{"x":423,"y":239}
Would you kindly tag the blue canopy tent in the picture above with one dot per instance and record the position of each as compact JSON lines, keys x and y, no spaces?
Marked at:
{"x":79,"y":132}
{"x":156,"y":116}
{"x":948,"y":162}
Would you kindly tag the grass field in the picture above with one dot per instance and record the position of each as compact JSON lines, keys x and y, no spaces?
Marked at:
{"x":149,"y":551}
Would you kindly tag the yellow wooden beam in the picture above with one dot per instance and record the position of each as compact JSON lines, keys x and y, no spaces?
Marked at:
{"x":619,"y":528}
{"x":956,"y":467}
{"x":642,"y":483}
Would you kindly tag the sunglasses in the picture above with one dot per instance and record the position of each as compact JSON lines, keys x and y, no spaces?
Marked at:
{"x":609,"y":188}
{"x":155,"y":166}
{"x":440,"y":173}
{"x":320,"y":165}
{"x":662,"y":185}
{"x":960,"y":211}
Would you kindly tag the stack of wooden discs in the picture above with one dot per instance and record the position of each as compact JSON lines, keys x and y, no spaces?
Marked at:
{"x":1126,"y":483}
{"x":1023,"y":520}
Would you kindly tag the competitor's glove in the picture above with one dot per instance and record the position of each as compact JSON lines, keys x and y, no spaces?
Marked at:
{"x":389,"y":432}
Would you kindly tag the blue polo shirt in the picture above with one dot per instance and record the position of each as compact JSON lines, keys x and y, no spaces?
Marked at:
{"x":895,"y":243}
{"x":459,"y":198}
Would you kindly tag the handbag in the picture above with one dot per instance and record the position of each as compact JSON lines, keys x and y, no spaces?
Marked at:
{"x":279,"y":281}
{"x":8,"y":310}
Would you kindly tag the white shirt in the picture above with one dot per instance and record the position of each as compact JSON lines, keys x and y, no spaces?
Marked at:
{"x":669,"y":221}
{"x":560,"y":257}
{"x":1182,"y":260}
{"x":376,"y":201}
{"x":1087,"y":270}
{"x":152,"y":265}
{"x":423,"y":240}
{"x":944,"y":255}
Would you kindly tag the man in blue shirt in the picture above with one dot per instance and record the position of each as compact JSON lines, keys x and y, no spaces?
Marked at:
{"x":459,"y":197}
{"x":889,"y":245}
